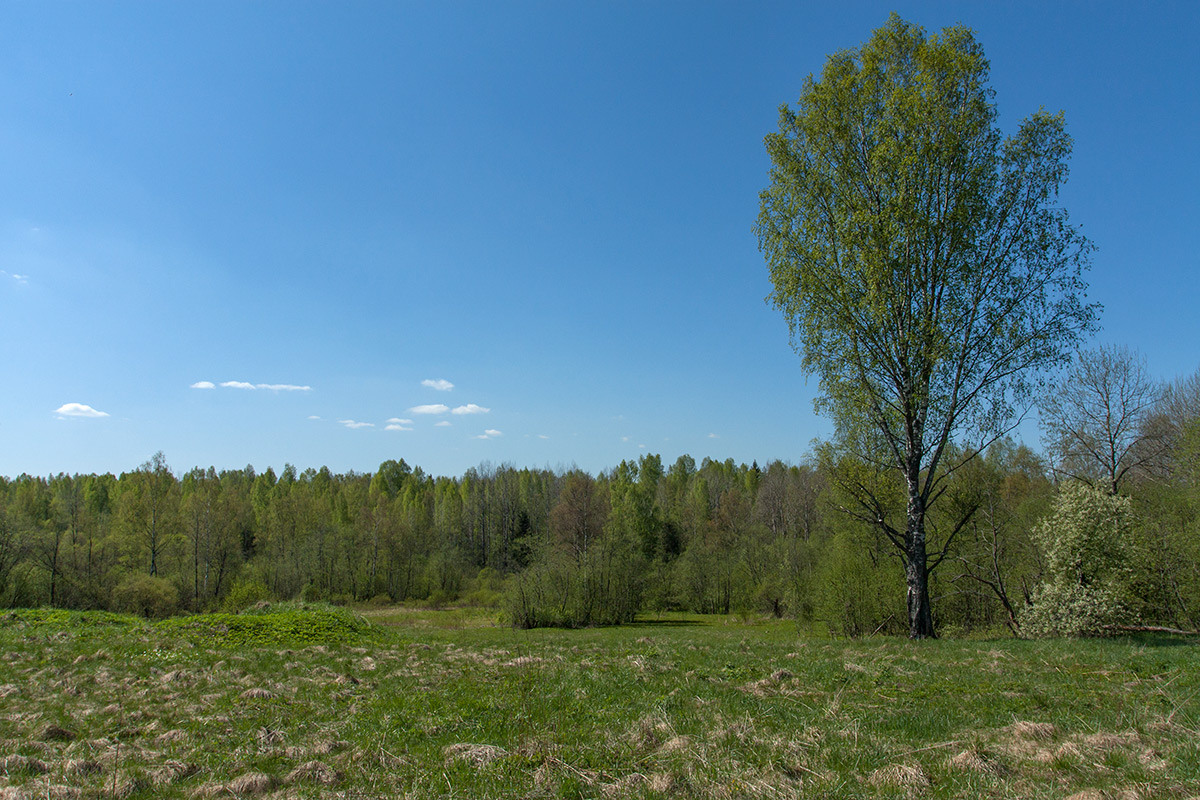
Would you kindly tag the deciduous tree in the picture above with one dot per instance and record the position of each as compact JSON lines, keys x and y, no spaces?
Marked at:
{"x":925,"y":270}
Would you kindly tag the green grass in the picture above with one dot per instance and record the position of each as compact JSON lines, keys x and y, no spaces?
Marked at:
{"x":312,"y":702}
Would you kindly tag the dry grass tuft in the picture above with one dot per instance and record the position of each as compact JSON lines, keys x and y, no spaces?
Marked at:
{"x":1032,"y":730}
{"x":977,"y":761}
{"x":676,"y":744}
{"x":172,"y":772}
{"x":53,"y":733}
{"x":1088,"y":794}
{"x":314,"y":771}
{"x":257,"y":693}
{"x":83,"y":766}
{"x":908,"y":778}
{"x":23,"y":765}
{"x":173,"y":736}
{"x":267,"y":737}
{"x":1108,"y":742}
{"x":252,"y":783}
{"x":477,"y":755}
{"x":650,"y":732}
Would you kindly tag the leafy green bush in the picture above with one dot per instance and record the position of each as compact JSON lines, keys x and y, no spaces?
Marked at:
{"x":246,"y":591}
{"x":860,"y":590}
{"x":603,"y":587}
{"x":147,"y":596}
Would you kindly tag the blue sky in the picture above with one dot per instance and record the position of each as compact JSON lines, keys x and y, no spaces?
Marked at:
{"x":340,"y":208}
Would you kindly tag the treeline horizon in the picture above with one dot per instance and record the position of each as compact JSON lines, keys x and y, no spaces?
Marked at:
{"x":565,"y":547}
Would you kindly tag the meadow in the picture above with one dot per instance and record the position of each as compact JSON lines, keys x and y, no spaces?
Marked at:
{"x":295,"y":701}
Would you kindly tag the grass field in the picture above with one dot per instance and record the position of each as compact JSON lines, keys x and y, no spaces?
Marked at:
{"x":295,"y":702}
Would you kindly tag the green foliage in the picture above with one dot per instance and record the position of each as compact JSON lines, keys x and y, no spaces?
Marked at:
{"x":248,"y":590}
{"x":1085,"y":542}
{"x":921,"y":261}
{"x":859,"y":591}
{"x":282,"y":624}
{"x":147,"y":596}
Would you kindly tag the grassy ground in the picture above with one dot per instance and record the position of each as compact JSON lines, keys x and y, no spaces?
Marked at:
{"x":316,"y":703}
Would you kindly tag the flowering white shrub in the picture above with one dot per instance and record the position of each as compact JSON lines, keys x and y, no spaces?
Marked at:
{"x":1086,"y":545}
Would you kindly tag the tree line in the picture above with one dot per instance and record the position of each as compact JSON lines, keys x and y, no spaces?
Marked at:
{"x":1101,"y":530}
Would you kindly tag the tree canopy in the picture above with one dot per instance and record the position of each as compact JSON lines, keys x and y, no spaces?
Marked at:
{"x":926,"y":274}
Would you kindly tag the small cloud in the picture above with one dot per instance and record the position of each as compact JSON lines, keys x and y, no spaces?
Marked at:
{"x":79,"y":410}
{"x":441,"y":384}
{"x":542,"y":436}
{"x":470,"y":408}
{"x":713,"y":436}
{"x":21,"y":279}
{"x":313,"y":416}
{"x":395,"y":426}
{"x":282,"y":387}
{"x":203,"y":385}
{"x":443,"y":424}
{"x":349,"y":423}
{"x":398,"y":421}
{"x":490,"y":433}
{"x":432,"y":408}
{"x":624,"y":438}
{"x":272,"y":387}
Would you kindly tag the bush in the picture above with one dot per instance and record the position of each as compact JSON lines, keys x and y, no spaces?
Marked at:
{"x":1086,"y":545}
{"x":604,"y":587}
{"x":860,"y":591}
{"x":147,"y":596}
{"x":245,"y":592}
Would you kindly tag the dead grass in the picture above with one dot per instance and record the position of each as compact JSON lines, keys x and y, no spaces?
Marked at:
{"x":478,"y":756}
{"x":909,"y":778}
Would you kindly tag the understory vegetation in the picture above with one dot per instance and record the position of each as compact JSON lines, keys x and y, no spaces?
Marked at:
{"x":311,"y":702}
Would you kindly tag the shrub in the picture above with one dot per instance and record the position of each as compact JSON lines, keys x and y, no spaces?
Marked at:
{"x":1086,"y":545}
{"x":245,"y":592}
{"x":146,"y":595}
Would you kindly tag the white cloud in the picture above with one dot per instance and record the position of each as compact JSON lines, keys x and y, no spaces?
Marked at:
{"x":349,"y":423}
{"x":490,"y":433}
{"x":313,"y":416}
{"x":470,"y":408}
{"x":395,"y":426}
{"x":273,"y":387}
{"x":441,"y":384}
{"x":433,"y":408}
{"x":443,"y":424}
{"x":713,"y":436}
{"x":203,"y":385}
{"x":79,"y":410}
{"x":625,"y":438}
{"x":21,"y":279}
{"x":398,"y":421}
{"x":542,"y":436}
{"x":283,"y":387}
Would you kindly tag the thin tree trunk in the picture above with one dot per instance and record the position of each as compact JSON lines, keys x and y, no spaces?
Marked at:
{"x":920,"y":616}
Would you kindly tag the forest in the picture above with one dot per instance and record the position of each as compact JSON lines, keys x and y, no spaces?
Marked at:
{"x":1096,"y":531}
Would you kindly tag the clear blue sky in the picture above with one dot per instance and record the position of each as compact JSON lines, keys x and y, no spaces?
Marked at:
{"x":548,"y":205}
